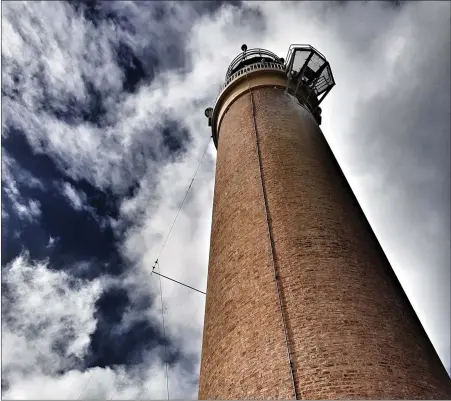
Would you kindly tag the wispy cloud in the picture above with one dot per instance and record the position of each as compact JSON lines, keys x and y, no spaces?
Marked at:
{"x":47,"y":321}
{"x":76,"y":198}
{"x":12,"y":178}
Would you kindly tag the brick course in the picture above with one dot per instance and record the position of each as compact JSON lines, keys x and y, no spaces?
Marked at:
{"x":352,"y":331}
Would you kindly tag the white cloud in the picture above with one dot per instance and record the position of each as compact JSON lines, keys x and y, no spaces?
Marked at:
{"x":51,"y":242}
{"x":76,"y":198}
{"x":45,"y":329}
{"x":29,"y":211}
{"x":45,"y":309}
{"x":12,"y":175}
{"x":106,"y":155}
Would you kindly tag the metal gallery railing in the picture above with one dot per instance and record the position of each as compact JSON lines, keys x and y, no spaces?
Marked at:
{"x":248,"y":54}
{"x":249,"y":68}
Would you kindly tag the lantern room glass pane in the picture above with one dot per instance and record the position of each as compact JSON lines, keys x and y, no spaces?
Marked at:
{"x":311,"y":63}
{"x":300,"y":56}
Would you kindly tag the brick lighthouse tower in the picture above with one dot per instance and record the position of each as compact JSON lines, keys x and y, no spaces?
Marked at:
{"x":301,"y":301}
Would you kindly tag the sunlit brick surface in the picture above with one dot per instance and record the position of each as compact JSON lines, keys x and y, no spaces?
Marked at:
{"x":352,"y":331}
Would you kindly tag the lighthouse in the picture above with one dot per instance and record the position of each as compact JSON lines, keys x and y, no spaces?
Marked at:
{"x":301,"y":301}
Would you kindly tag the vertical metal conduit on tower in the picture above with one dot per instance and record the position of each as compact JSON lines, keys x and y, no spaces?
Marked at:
{"x":271,"y":242}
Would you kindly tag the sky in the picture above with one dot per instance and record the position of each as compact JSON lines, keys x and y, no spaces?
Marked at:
{"x":103,"y":128}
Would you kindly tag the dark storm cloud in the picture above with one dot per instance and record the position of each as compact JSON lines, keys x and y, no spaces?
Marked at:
{"x":407,"y":134}
{"x":252,"y":17}
{"x":90,"y":109}
{"x":134,"y":70}
{"x":175,"y":137}
{"x":405,"y":131}
{"x":155,"y":44}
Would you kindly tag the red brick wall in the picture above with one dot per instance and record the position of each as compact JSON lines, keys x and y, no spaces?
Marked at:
{"x":352,"y":331}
